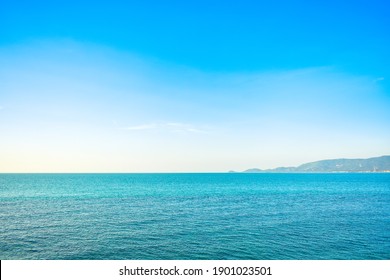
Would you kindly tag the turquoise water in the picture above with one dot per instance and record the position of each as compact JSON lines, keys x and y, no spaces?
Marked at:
{"x":195,"y":216}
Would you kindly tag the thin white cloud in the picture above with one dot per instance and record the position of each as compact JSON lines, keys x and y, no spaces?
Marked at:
{"x":183,"y":127}
{"x":166,"y":126}
{"x":379,"y":79}
{"x":195,"y":130}
{"x":140,"y":127}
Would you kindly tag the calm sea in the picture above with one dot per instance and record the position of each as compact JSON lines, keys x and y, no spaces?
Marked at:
{"x":195,"y":216}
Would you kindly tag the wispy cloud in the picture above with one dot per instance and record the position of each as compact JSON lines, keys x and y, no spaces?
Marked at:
{"x":140,"y":127}
{"x":379,"y":79}
{"x":166,"y":126}
{"x":174,"y":126}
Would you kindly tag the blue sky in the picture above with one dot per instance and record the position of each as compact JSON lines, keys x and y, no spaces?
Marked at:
{"x":198,"y":86}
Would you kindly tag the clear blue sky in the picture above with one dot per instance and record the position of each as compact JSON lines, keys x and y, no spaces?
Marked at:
{"x":166,"y":86}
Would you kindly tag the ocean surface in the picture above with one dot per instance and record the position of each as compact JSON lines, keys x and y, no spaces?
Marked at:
{"x":195,"y":216}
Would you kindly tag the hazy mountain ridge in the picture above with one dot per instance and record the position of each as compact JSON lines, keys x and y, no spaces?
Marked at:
{"x":375,"y":164}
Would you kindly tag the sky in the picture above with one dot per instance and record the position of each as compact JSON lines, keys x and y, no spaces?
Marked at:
{"x":191,"y":86}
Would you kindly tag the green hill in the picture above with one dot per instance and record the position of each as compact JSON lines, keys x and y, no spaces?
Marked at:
{"x":376,"y":164}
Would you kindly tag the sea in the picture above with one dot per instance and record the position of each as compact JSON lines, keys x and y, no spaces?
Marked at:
{"x":211,"y":216}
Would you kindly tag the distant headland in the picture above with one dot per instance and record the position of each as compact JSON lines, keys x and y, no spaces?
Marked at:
{"x":375,"y":164}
